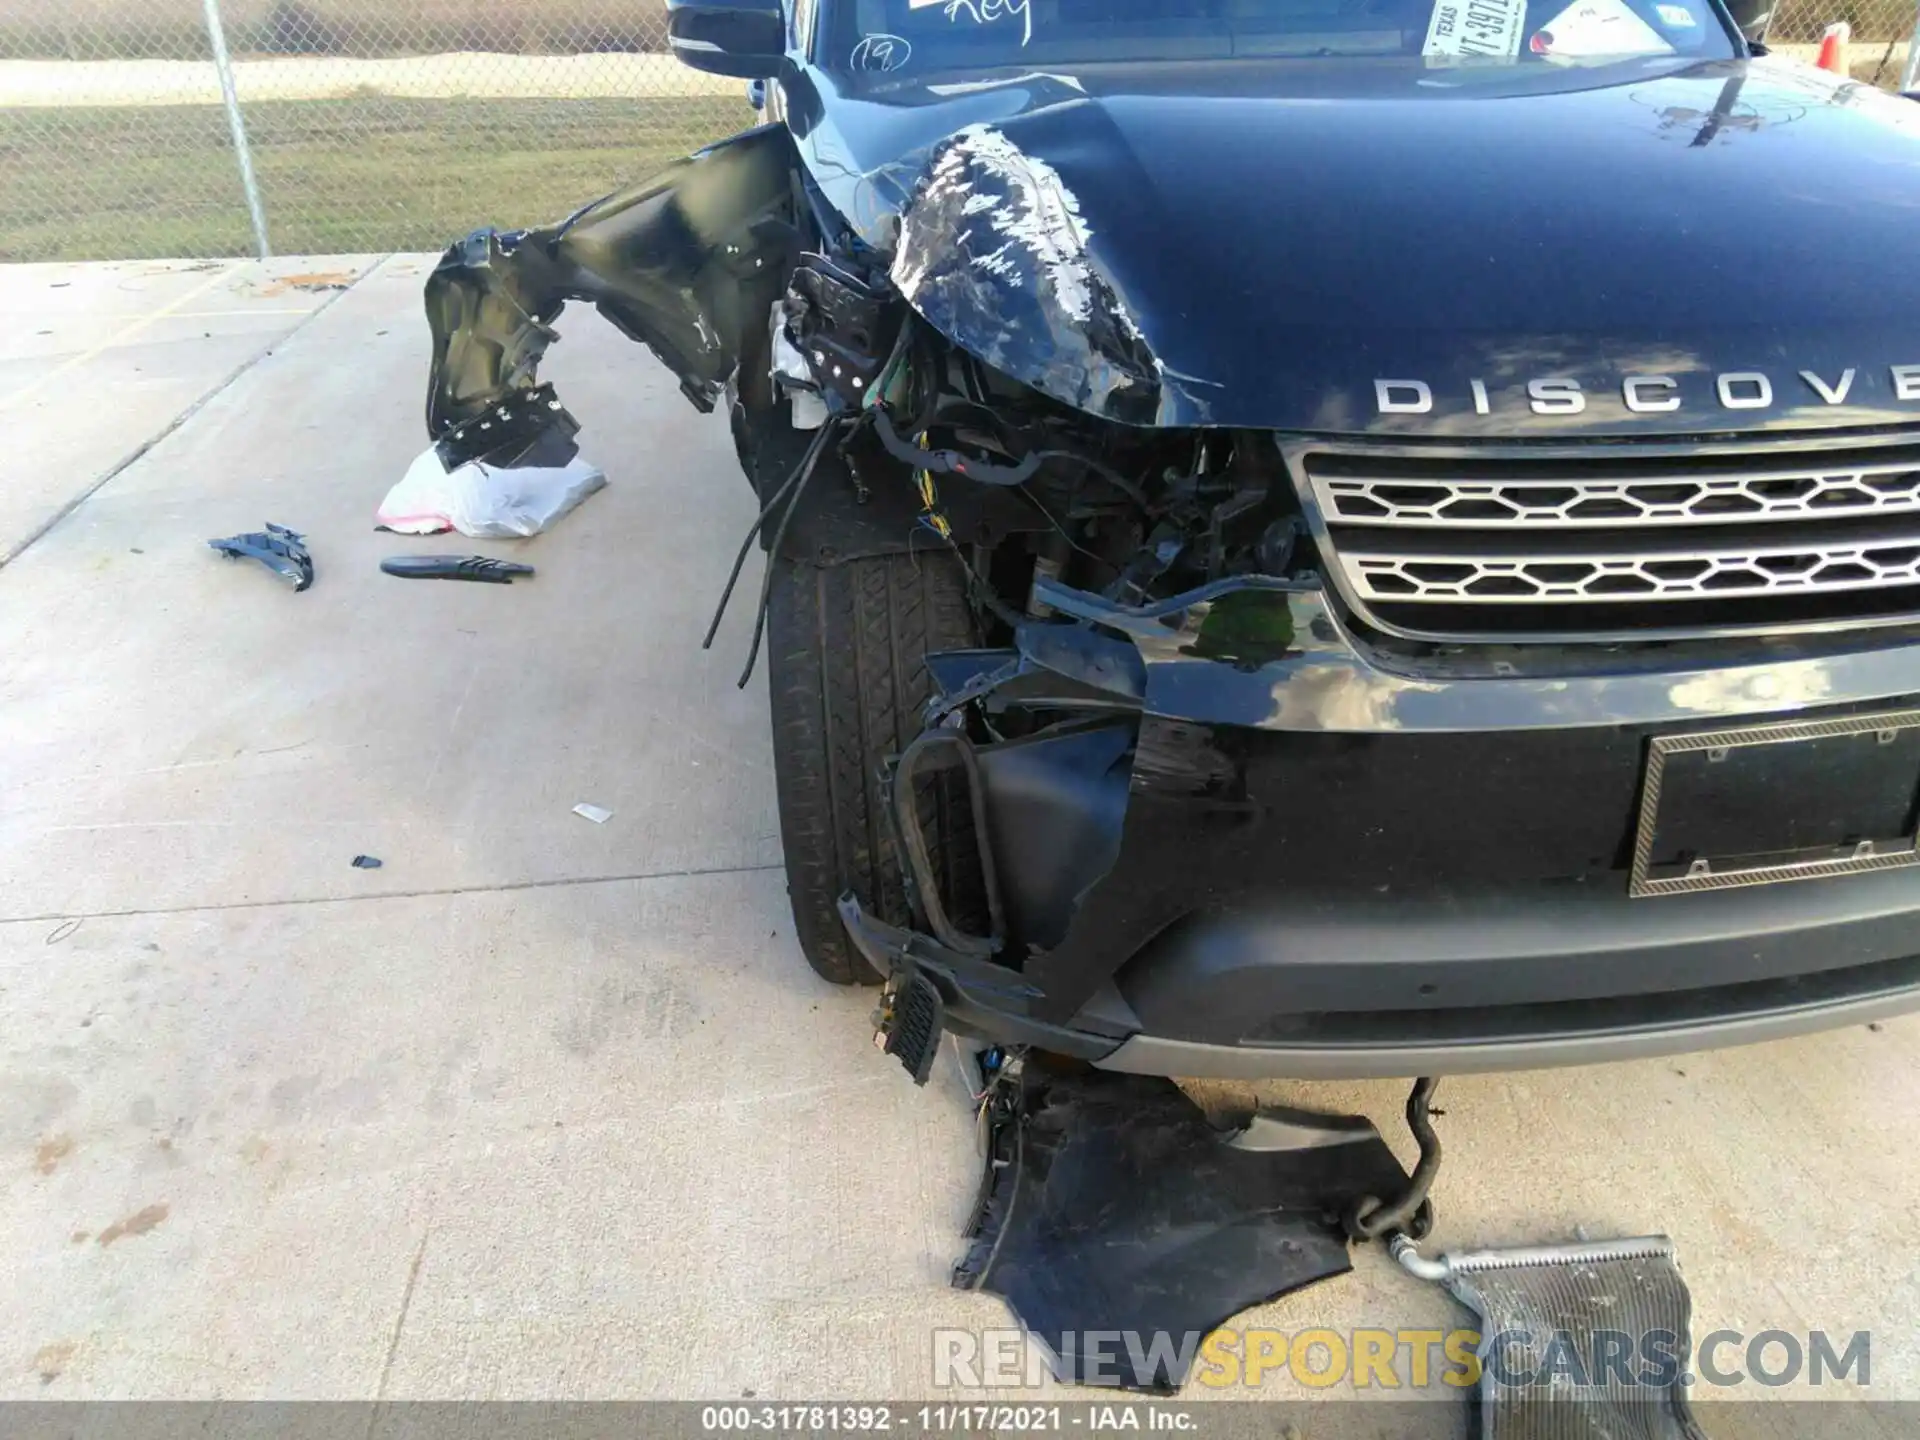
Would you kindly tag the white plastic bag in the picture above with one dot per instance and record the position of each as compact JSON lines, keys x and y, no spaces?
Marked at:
{"x":485,"y":501}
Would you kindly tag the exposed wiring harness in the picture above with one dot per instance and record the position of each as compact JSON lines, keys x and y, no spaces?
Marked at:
{"x":949,"y":462}
{"x":902,"y":376}
{"x":795,"y":485}
{"x":987,"y":472}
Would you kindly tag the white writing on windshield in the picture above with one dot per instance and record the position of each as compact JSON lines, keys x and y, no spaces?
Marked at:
{"x":984,"y":12}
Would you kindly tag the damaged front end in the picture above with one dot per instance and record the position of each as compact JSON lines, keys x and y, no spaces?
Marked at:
{"x":875,"y":409}
{"x":1214,"y":820}
{"x":1173,"y":795}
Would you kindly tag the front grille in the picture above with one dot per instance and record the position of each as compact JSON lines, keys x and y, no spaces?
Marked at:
{"x":1510,"y":542}
{"x":1652,"y":573}
{"x":1669,"y":497}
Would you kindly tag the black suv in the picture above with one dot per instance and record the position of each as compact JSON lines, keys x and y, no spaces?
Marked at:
{"x":1306,"y":537}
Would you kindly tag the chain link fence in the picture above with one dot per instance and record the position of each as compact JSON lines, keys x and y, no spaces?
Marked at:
{"x":377,"y":125}
{"x":372,"y":125}
{"x":1882,"y":34}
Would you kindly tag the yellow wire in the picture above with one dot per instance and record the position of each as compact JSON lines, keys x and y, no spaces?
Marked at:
{"x":930,"y":499}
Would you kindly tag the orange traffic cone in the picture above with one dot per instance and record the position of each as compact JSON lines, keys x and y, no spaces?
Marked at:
{"x":1833,"y":49}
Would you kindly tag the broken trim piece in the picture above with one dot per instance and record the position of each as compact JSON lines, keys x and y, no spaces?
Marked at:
{"x":531,"y":427}
{"x":1088,"y":1175}
{"x":687,"y":262}
{"x":913,"y":843}
{"x":980,"y":998}
{"x":281,"y":550}
{"x":454,"y":567}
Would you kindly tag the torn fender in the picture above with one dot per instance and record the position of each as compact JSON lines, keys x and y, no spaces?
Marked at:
{"x":686,"y":262}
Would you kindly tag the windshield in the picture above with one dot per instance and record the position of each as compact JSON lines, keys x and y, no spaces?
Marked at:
{"x":928,"y":35}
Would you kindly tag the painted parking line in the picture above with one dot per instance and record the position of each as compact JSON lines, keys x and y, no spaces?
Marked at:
{"x":120,"y":337}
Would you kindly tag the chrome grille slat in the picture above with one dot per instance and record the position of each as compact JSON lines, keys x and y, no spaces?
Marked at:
{"x":1671,"y":497}
{"x":1591,"y":576}
{"x":1487,"y":541}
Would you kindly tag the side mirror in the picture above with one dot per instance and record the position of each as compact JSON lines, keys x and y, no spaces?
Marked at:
{"x":743,"y":38}
{"x":1752,"y":17}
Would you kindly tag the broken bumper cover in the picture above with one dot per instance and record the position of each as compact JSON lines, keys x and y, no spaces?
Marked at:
{"x":1302,"y":858}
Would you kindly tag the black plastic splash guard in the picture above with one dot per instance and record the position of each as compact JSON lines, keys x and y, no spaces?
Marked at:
{"x":1122,"y":1228}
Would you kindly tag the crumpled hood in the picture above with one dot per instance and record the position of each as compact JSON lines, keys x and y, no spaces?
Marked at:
{"x":1260,"y":245}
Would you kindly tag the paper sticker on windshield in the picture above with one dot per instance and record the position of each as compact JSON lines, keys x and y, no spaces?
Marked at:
{"x":1678,"y":16}
{"x":1597,"y":27}
{"x":1476,"y":29}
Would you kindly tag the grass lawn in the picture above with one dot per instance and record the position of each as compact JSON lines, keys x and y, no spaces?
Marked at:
{"x":371,"y":173}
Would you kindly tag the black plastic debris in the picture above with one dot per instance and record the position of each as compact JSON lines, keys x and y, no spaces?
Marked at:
{"x":1122,"y":1228}
{"x":281,"y":550}
{"x":913,"y":1028}
{"x":366,"y":862}
{"x":527,"y":428}
{"x":454,"y":567}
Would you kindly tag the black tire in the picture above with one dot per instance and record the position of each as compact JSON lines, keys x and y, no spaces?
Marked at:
{"x":849,"y":683}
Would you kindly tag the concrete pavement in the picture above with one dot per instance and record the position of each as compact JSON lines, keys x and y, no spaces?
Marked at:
{"x":548,"y":1109}
{"x":98,"y":362}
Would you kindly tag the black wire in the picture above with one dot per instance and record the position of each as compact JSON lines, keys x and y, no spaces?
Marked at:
{"x":904,"y":446}
{"x":1019,"y":1164}
{"x":808,"y":467}
{"x":806,"y":461}
{"x":947,"y":462}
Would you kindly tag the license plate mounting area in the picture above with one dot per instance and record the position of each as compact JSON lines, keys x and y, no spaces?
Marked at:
{"x":1765,"y":804}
